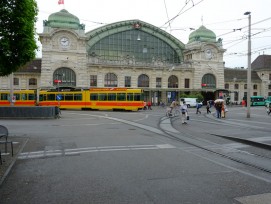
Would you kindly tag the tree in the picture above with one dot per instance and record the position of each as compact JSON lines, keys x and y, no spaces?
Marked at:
{"x":17,"y":34}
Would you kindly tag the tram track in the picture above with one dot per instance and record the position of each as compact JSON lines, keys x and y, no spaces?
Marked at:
{"x":256,"y":161}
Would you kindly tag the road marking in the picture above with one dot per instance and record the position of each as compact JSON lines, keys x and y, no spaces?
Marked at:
{"x":51,"y":153}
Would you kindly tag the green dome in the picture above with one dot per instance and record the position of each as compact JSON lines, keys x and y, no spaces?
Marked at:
{"x":63,"y":19}
{"x":202,"y":34}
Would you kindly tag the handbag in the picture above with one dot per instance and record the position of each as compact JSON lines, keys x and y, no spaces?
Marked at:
{"x":187,"y":117}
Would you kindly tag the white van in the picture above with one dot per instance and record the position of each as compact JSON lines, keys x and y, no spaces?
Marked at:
{"x":190,"y":102}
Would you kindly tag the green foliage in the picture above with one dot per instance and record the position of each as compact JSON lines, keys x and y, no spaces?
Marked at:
{"x":17,"y":34}
{"x":197,"y":95}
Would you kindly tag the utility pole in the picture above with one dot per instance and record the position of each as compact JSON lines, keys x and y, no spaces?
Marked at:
{"x":248,"y":64}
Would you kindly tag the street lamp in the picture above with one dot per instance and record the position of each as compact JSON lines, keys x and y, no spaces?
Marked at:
{"x":248,"y":64}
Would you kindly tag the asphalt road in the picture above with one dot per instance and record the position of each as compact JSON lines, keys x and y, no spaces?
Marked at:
{"x":140,"y":157}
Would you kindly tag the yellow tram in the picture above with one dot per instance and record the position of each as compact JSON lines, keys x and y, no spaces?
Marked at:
{"x":20,"y":98}
{"x":94,"y":98}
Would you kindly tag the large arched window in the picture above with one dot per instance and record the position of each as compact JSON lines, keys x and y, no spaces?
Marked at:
{"x":64,"y":77}
{"x":110,"y":80}
{"x":143,"y":81}
{"x":208,"y":81}
{"x":172,"y":82}
{"x":134,"y":46}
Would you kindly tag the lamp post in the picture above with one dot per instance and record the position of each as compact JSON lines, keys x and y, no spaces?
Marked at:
{"x":248,"y":64}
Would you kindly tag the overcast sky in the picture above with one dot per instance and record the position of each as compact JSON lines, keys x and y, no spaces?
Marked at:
{"x":225,"y":17}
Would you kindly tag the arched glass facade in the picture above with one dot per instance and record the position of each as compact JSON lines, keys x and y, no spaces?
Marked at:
{"x":133,"y":46}
{"x":66,"y":76}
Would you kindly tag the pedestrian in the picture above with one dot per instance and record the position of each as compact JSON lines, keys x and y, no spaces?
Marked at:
{"x":268,"y":108}
{"x":145,"y":105}
{"x":173,"y":105}
{"x":208,"y":107}
{"x":149,"y":105}
{"x":184,"y":113}
{"x":198,"y":106}
{"x":218,"y":107}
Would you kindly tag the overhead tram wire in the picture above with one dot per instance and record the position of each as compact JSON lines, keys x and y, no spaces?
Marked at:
{"x":167,"y":14}
{"x":181,"y":11}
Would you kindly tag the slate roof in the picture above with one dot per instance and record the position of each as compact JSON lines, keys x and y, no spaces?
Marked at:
{"x":262,"y":62}
{"x":33,"y":66}
{"x":239,"y":75}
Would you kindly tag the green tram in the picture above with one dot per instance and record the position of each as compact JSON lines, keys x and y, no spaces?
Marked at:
{"x":257,"y":101}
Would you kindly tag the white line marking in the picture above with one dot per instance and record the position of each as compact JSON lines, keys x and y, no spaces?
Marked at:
{"x":50,"y":153}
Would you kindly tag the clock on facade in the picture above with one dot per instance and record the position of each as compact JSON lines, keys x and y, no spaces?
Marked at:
{"x":64,"y":42}
{"x":208,"y":54}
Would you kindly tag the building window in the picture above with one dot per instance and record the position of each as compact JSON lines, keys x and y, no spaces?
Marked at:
{"x":269,"y":93}
{"x":158,"y":82}
{"x":236,"y":98}
{"x":64,"y":77}
{"x":172,"y":82}
{"x":255,"y":86}
{"x":143,"y":81}
{"x":93,"y":80}
{"x":269,"y":86}
{"x":127,"y":81}
{"x":16,"y":81}
{"x":208,"y":81}
{"x":245,"y":86}
{"x":32,"y":82}
{"x":269,"y":76}
{"x":110,"y":80}
{"x":189,"y":57}
{"x":186,"y":83}
{"x":245,"y":95}
{"x":236,"y":86}
{"x":254,"y":93}
{"x":227,"y":86}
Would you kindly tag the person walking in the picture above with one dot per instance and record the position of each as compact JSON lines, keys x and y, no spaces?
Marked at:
{"x":173,"y":105}
{"x":184,"y":113}
{"x":198,"y":106}
{"x":208,"y":107}
{"x":149,"y":105}
{"x":218,"y":107}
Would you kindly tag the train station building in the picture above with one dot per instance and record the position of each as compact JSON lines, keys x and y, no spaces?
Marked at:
{"x":136,"y":54}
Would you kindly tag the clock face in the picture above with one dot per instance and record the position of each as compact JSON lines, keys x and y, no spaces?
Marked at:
{"x":64,"y":42}
{"x":208,"y":54}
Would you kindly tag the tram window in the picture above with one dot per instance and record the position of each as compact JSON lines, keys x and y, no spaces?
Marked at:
{"x":102,"y":97}
{"x":51,"y":97}
{"x":24,"y":96}
{"x":94,"y":97}
{"x":68,"y":97}
{"x":112,"y":97}
{"x":121,"y":96}
{"x":42,"y":97}
{"x":78,"y":97}
{"x":137,"y":97}
{"x":61,"y":97}
{"x":17,"y":96}
{"x":130,"y":97}
{"x":31,"y":96}
{"x":4,"y":96}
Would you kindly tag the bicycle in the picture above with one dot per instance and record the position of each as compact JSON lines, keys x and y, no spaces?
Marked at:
{"x":174,"y":113}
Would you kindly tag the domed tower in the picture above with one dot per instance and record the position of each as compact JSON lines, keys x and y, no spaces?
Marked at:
{"x":202,"y":34}
{"x":63,"y":19}
{"x":63,"y":51}
{"x":205,"y":52}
